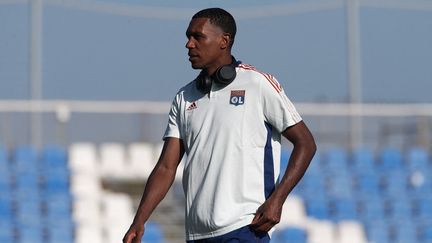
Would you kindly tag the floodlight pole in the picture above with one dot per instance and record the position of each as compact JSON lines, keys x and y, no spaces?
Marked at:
{"x":36,"y":23}
{"x":354,"y":71}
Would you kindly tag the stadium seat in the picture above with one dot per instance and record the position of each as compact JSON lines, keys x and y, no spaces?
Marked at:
{"x":351,"y":232}
{"x":368,"y":184}
{"x":417,"y":158}
{"x":117,"y":207}
{"x":83,"y":158}
{"x":423,"y":208}
{"x":344,"y":209}
{"x":400,"y":209}
{"x":425,"y":234}
{"x":321,"y":231}
{"x":405,"y":231}
{"x":293,"y":212}
{"x":87,"y":212}
{"x":153,"y":233}
{"x":340,"y":187}
{"x":53,"y":156}
{"x":318,"y":209}
{"x":371,"y":209}
{"x":85,"y":186}
{"x":6,"y":210}
{"x":60,"y":233}
{"x":6,"y":230}
{"x":30,"y":234}
{"x":88,"y":233}
{"x":113,"y":160}
{"x":395,"y":183}
{"x":378,"y":231}
{"x":335,"y":161}
{"x":142,"y":161}
{"x":389,"y":159}
{"x":291,"y":234}
{"x":29,"y":213}
{"x":363,"y":160}
{"x":25,"y":155}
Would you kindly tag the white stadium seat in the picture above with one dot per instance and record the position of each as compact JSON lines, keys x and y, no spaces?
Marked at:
{"x":351,"y":232}
{"x":321,"y":231}
{"x":88,"y":233}
{"x":117,"y":210}
{"x":141,"y":159}
{"x":85,"y":186}
{"x":113,"y":160}
{"x":83,"y":158}
{"x":293,"y":213}
{"x":87,"y":212}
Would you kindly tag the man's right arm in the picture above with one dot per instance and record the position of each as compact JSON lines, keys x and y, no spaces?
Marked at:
{"x":158,"y":184}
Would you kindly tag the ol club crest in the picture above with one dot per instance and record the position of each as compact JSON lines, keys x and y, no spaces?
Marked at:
{"x":237,"y":97}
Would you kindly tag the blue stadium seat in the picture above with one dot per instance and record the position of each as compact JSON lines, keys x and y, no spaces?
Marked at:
{"x":30,"y":234}
{"x":395,"y":183}
{"x":372,"y":209}
{"x":363,"y":159}
{"x":378,"y":231}
{"x":291,"y":234}
{"x":405,"y":231}
{"x":153,"y":233}
{"x":417,"y":158}
{"x":336,"y":161}
{"x":61,"y":233}
{"x":6,"y":231}
{"x":6,"y":210}
{"x":344,"y":209}
{"x":29,"y":213}
{"x":424,"y":209}
{"x":56,"y":184}
{"x":400,"y":209}
{"x":368,"y":184}
{"x":425,"y":233}
{"x":25,"y":158}
{"x":389,"y":159}
{"x":340,"y":187}
{"x":318,"y":209}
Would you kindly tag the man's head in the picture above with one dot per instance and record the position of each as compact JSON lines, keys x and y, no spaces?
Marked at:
{"x":210,"y":34}
{"x":221,"y":18}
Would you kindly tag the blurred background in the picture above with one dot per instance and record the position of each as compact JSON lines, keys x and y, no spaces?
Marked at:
{"x":85,"y":88}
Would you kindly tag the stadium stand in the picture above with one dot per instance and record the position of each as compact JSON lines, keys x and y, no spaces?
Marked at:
{"x":56,"y":194}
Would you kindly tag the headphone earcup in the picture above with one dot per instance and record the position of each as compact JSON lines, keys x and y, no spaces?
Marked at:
{"x":204,"y":83}
{"x":225,"y":74}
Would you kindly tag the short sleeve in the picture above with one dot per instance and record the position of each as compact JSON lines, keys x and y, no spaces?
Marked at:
{"x":173,"y":127}
{"x":278,"y":110}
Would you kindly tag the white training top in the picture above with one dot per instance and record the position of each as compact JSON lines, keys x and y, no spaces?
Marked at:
{"x":232,"y":141}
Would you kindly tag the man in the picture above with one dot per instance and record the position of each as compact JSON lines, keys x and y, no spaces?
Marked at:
{"x":228,"y":121}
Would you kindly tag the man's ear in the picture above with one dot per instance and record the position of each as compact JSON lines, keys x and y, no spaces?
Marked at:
{"x":226,"y":40}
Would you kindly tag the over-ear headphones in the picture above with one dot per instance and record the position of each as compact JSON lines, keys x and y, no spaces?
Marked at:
{"x":224,"y":75}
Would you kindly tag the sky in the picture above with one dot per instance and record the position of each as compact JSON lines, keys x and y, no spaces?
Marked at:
{"x":96,"y":55}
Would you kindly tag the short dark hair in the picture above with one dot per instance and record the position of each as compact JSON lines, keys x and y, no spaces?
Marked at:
{"x":220,"y":18}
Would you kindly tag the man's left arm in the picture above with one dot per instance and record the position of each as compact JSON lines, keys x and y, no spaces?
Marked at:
{"x":269,"y":213}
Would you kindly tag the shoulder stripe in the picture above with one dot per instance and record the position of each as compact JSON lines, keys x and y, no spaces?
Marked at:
{"x":269,"y":77}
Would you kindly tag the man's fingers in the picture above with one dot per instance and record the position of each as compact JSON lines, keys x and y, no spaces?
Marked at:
{"x":257,"y":221}
{"x":128,"y":237}
{"x":137,"y":239}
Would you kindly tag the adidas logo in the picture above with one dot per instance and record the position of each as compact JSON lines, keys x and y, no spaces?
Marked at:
{"x":192,"y":106}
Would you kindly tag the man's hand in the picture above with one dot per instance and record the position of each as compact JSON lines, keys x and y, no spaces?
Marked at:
{"x":267,"y":216}
{"x":134,"y":234}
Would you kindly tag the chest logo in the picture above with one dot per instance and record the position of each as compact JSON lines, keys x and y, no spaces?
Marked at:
{"x":237,"y":97}
{"x":192,"y":106}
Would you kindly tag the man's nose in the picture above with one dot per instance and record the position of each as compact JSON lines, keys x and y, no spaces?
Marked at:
{"x":190,"y":44}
